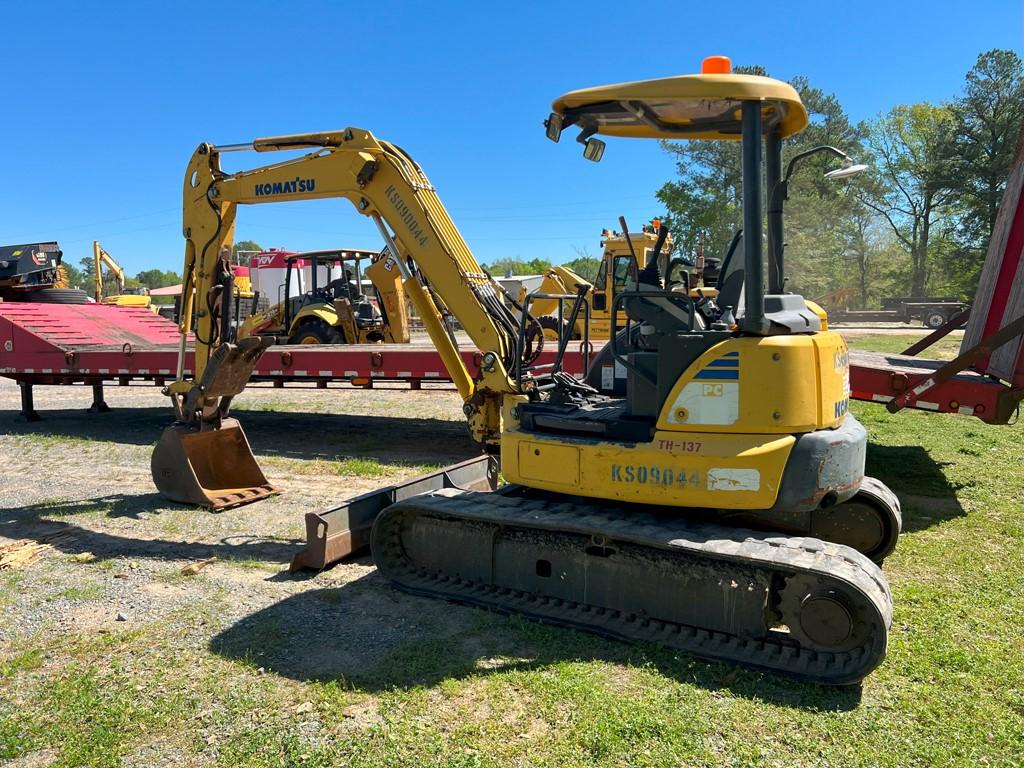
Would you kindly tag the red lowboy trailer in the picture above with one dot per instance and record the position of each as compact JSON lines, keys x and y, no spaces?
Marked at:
{"x":96,"y":344}
{"x":987,"y":377}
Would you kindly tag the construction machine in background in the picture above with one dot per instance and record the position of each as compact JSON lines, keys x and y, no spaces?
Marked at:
{"x":34,"y":272}
{"x":126,"y":296}
{"x":335,"y":310}
{"x":708,"y":493}
{"x":624,"y":254}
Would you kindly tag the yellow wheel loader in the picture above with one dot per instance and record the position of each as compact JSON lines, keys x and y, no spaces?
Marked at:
{"x":617,"y":273}
{"x":712,"y":498}
{"x":335,"y":310}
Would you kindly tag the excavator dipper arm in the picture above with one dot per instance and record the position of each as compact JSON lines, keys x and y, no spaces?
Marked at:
{"x":382,"y":182}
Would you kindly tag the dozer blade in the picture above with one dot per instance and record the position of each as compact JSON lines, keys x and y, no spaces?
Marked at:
{"x":213,"y":468}
{"x":344,"y":530}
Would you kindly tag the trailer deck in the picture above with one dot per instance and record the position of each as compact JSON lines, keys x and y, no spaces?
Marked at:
{"x":94,"y":344}
{"x":883,"y":378}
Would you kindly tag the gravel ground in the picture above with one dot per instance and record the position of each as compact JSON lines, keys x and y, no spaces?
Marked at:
{"x":81,"y":483}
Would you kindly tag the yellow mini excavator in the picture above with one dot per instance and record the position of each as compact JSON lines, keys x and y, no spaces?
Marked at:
{"x":704,"y":487}
{"x":125,"y":297}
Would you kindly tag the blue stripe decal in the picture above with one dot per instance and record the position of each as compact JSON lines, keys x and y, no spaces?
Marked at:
{"x":731,"y":354}
{"x":707,"y":374}
{"x":723,"y":363}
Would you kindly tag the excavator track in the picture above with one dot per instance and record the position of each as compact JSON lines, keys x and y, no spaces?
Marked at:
{"x":794,"y":606}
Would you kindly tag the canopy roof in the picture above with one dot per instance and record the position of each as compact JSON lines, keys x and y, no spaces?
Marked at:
{"x":705,"y":106}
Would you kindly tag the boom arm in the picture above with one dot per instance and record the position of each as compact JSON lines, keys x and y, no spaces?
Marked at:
{"x":100,"y":259}
{"x":384,"y":183}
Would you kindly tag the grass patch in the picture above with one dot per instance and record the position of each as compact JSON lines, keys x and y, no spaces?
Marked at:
{"x":944,"y":349}
{"x":88,"y":591}
{"x":21,"y":662}
{"x":347,"y":466}
{"x":9,"y":581}
{"x":58,"y":440}
{"x":358,"y":466}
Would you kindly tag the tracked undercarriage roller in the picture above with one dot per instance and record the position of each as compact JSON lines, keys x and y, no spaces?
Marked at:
{"x":795,"y":606}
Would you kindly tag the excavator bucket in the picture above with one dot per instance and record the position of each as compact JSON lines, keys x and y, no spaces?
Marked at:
{"x":213,"y":468}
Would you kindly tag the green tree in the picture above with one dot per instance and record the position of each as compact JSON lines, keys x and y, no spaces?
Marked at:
{"x":243,"y":245}
{"x":87,"y":270}
{"x":157,"y":278}
{"x":75,"y":278}
{"x":585,"y":266}
{"x":988,"y":119}
{"x":913,"y":148}
{"x":704,"y":201}
{"x":501,"y":267}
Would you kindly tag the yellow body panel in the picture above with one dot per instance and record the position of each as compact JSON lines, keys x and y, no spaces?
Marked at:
{"x":722,"y":439}
{"x":770,"y":385}
{"x":387,"y":279}
{"x":558,"y":279}
{"x":707,"y":470}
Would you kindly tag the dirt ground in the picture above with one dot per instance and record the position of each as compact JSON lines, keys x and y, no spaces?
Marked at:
{"x":81,"y":483}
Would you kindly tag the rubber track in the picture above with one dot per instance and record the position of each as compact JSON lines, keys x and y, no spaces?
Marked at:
{"x":799,"y":557}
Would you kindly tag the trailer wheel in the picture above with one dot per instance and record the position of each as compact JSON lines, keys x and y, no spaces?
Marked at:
{"x":316,"y":332}
{"x":935,"y":320}
{"x":58,"y":296}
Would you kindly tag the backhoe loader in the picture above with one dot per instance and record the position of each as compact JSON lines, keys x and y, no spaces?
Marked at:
{"x":674,"y":504}
{"x":620,"y":259}
{"x":335,"y":310}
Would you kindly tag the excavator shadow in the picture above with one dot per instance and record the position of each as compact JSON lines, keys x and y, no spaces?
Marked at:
{"x":926,"y":495}
{"x":370,"y":636}
{"x":48,"y":523}
{"x":279,"y":434}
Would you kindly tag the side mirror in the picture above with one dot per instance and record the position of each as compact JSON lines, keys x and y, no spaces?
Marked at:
{"x":593,"y":150}
{"x":553,"y":127}
{"x":845,"y":172}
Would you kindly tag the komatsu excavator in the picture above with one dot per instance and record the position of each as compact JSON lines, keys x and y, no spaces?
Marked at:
{"x":712,"y":498}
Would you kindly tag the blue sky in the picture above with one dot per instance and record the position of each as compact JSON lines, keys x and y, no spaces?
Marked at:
{"x":104,"y":103}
